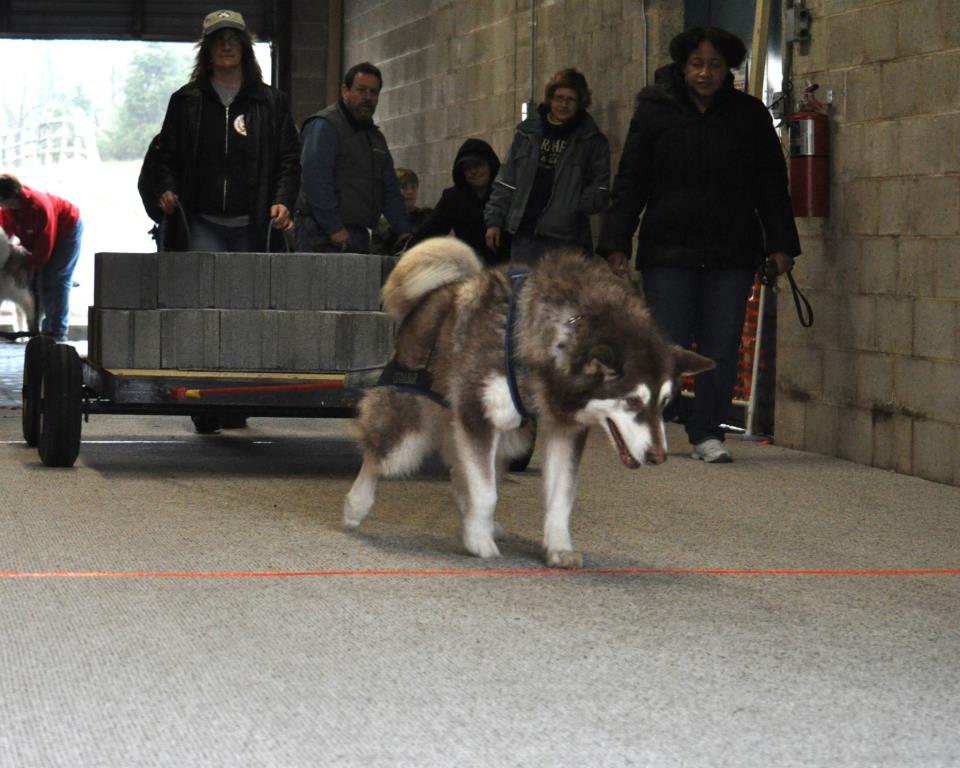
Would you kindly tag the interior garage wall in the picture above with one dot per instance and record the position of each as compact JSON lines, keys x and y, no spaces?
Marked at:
{"x":459,"y":68}
{"x":877,"y":378}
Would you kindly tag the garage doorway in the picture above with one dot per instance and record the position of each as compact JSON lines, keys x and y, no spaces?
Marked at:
{"x":77,"y":118}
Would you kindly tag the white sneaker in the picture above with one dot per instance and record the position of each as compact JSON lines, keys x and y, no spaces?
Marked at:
{"x":711,"y":451}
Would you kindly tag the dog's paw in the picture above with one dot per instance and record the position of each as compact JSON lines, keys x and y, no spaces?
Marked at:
{"x":564,"y":559}
{"x":353,"y":515}
{"x":481,"y":546}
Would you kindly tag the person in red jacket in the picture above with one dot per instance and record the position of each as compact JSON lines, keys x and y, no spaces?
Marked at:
{"x":50,"y":230}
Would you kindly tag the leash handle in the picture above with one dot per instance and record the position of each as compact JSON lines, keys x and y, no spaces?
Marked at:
{"x":804,"y":310}
{"x":286,"y":243}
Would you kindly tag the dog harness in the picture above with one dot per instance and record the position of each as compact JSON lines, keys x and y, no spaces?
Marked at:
{"x":418,"y":381}
{"x":510,"y":364}
{"x":414,"y":381}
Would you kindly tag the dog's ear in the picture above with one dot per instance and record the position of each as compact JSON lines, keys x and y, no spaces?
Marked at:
{"x":687,"y":363}
{"x":601,"y":362}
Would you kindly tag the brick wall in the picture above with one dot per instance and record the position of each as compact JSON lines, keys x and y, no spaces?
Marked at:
{"x":877,"y":379}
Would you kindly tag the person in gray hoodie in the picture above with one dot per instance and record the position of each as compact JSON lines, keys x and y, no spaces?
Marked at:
{"x":556,"y":174}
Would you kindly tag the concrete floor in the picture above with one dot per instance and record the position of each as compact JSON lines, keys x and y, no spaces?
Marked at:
{"x":181,"y":600}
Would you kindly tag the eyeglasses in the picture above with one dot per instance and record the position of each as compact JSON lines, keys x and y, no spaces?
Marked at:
{"x":564,"y":99}
{"x":228,"y":39}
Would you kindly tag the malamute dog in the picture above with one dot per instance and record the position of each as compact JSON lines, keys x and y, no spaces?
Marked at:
{"x":20,"y":297}
{"x":575,"y":348}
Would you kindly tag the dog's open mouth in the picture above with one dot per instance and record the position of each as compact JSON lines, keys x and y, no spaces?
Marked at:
{"x":625,"y":456}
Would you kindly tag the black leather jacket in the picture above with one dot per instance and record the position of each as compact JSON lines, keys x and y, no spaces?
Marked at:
{"x":266,"y":170}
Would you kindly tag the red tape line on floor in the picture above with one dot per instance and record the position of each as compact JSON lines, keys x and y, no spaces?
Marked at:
{"x":482,"y":572}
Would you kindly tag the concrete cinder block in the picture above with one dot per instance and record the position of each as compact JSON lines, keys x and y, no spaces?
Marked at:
{"x":248,"y":339}
{"x":295,"y":280}
{"x":855,"y":438}
{"x":928,"y":145}
{"x":800,"y":371}
{"x":186,"y":280}
{"x":822,"y":428}
{"x":124,"y":338}
{"x":332,"y":341}
{"x":935,"y":329}
{"x":894,"y":325}
{"x":883,"y":256}
{"x":862,"y":98}
{"x":935,"y":206}
{"x":125,"y":280}
{"x":874,"y":379}
{"x":858,"y":322}
{"x":241,"y":280}
{"x":789,"y":418}
{"x":190,"y":339}
{"x":934,"y":449}
{"x":352,"y":281}
{"x":325,"y":281}
{"x":363,"y":340}
{"x":892,"y":441}
{"x":839,"y":376}
{"x":306,"y":341}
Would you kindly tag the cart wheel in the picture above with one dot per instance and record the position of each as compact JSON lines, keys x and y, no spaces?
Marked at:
{"x":61,"y":389}
{"x":206,"y":423}
{"x":34,"y":359}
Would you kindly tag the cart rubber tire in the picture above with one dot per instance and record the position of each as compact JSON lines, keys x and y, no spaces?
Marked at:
{"x":34,"y":360}
{"x":60,"y":416}
{"x":206,"y":423}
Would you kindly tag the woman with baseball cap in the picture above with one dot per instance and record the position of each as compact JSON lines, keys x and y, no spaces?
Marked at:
{"x":228,"y":149}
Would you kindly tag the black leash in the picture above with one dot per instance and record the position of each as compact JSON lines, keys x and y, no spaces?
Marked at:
{"x":517,"y":278}
{"x":804,"y":312}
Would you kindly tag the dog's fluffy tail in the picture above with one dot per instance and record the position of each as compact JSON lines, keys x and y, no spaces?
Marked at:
{"x":427,"y":266}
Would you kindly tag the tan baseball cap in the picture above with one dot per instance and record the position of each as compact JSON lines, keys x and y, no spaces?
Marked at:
{"x":222,"y":20}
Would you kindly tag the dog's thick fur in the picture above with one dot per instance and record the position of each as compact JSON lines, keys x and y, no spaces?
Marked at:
{"x":20,"y":297}
{"x":588,"y":354}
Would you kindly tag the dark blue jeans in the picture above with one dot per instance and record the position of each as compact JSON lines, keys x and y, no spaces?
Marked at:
{"x":311,"y":239}
{"x":57,"y":280}
{"x":707,"y":307}
{"x":205,"y":235}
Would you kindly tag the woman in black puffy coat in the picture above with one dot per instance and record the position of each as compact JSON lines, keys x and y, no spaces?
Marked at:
{"x":703,"y":163}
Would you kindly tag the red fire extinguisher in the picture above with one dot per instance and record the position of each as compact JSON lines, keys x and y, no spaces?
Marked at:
{"x":809,"y":158}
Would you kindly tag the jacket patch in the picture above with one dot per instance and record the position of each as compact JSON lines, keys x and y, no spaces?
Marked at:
{"x":240,"y":125}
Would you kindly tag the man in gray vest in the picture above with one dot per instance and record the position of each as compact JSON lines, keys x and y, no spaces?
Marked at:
{"x":348,"y":175}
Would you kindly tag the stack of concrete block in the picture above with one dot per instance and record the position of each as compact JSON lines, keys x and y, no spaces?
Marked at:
{"x":238,"y":312}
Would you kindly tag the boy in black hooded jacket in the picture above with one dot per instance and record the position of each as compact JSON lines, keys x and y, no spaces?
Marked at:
{"x":460,"y":208}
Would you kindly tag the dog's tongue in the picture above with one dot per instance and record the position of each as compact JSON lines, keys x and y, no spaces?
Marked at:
{"x":625,"y":456}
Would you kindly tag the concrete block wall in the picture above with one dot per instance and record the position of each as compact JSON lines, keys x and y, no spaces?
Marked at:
{"x":460,"y":68}
{"x":250,"y":312}
{"x":877,"y":378}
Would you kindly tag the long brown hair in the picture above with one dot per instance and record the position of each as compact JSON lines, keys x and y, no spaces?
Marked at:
{"x":202,"y":68}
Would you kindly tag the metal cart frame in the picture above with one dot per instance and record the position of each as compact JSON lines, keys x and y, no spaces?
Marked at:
{"x":61,"y":390}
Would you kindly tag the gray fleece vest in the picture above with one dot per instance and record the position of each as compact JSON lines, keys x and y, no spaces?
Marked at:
{"x":362,"y":155}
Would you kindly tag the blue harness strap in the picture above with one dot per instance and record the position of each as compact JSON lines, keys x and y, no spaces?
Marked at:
{"x":510,"y":364}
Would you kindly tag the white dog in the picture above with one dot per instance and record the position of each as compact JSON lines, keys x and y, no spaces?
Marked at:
{"x":479,"y":351}
{"x":20,"y":296}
